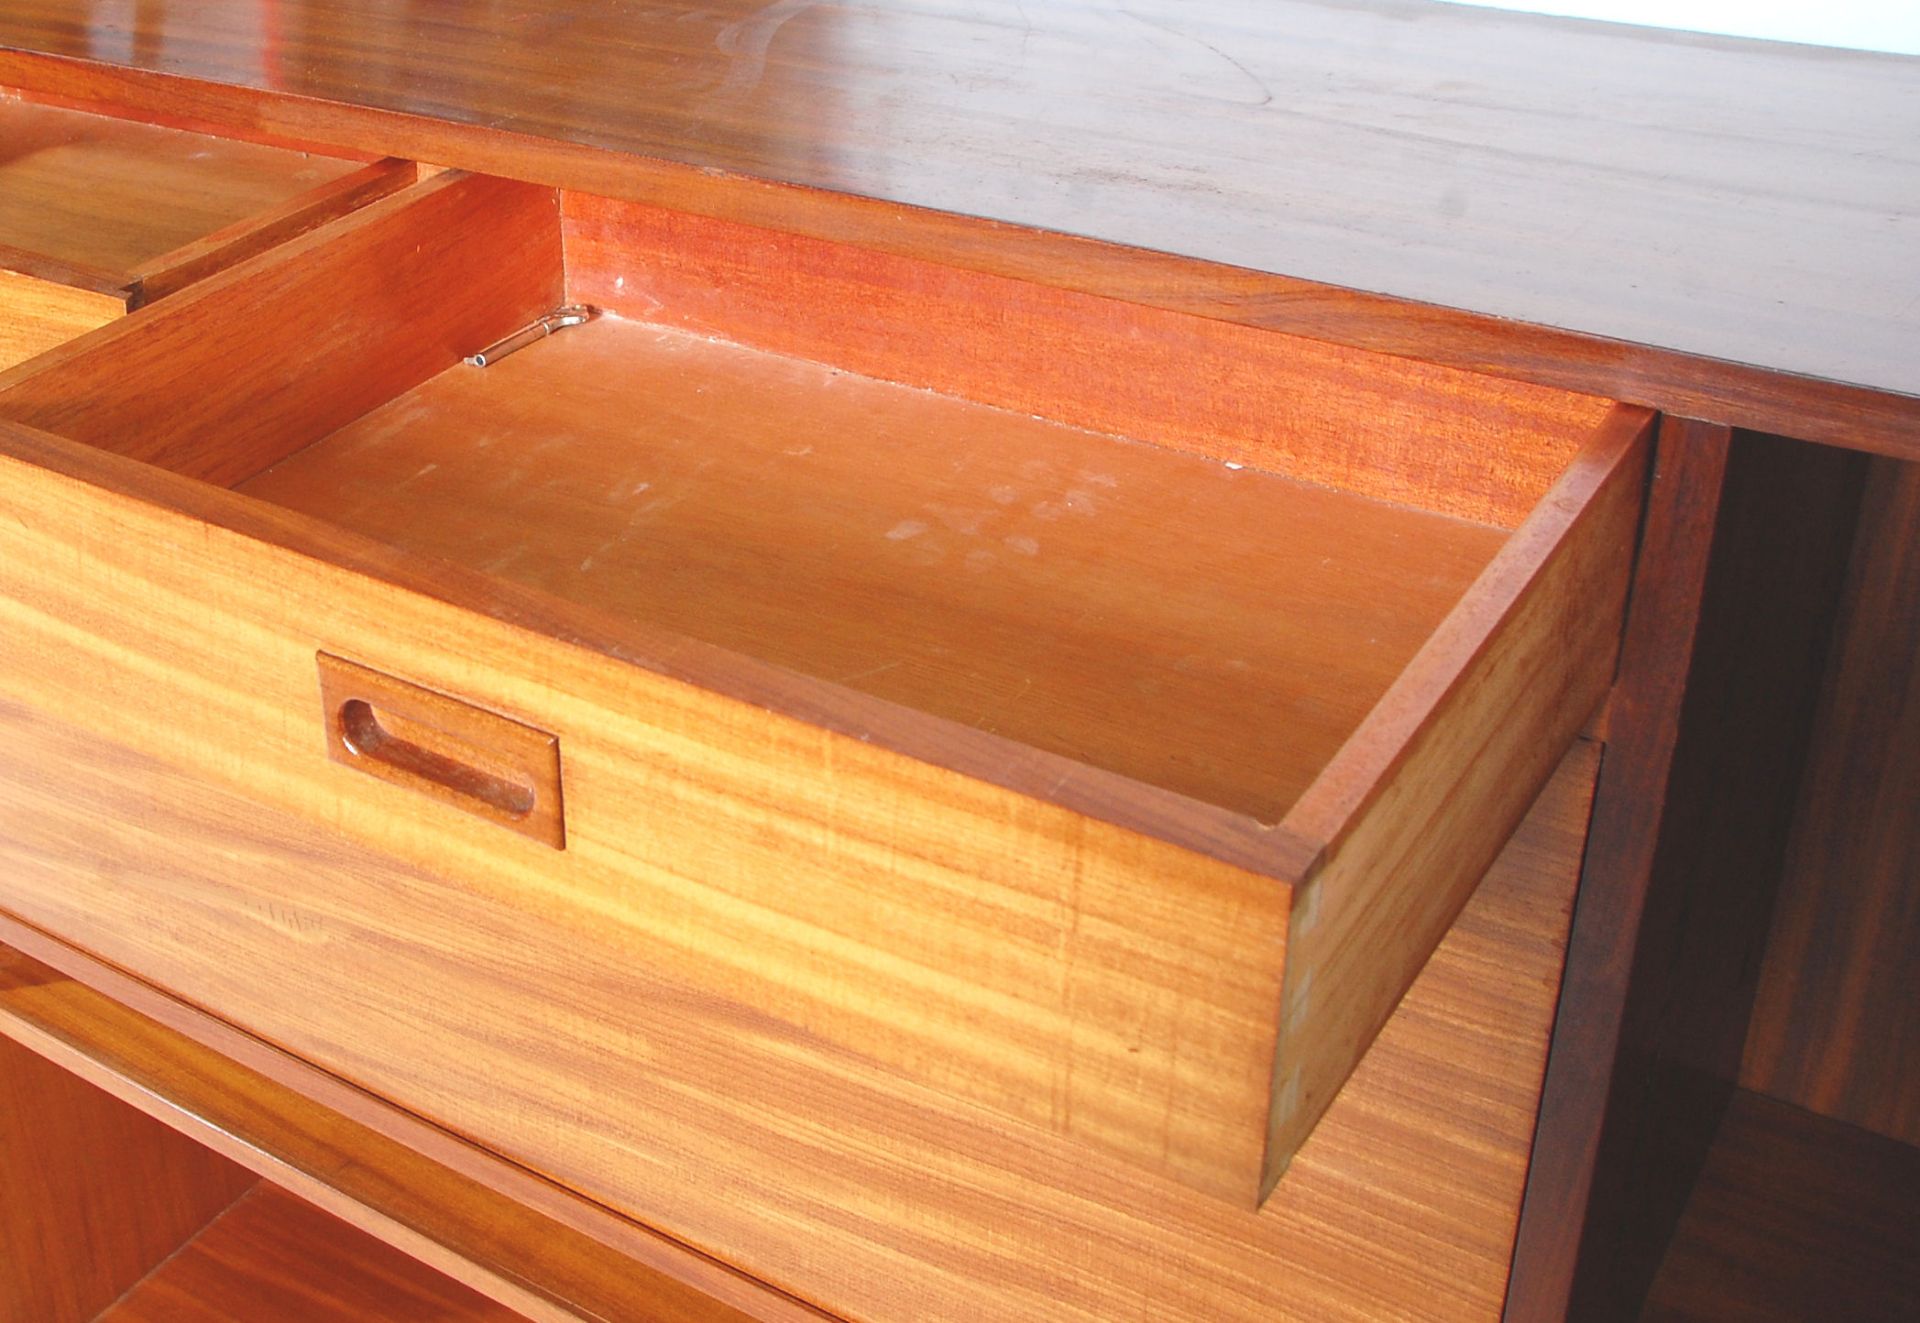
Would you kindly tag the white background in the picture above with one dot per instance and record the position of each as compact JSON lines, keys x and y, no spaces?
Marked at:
{"x":1873,"y":25}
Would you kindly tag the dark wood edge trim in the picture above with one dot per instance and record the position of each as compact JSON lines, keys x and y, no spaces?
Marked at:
{"x":74,"y":275}
{"x":1629,"y":803}
{"x":1815,"y":409}
{"x":1334,"y":804}
{"x":315,"y":1167}
{"x":256,"y":234}
{"x":1208,"y":829}
{"x":51,"y":97}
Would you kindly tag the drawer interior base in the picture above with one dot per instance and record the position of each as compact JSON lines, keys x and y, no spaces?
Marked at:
{"x":1213,"y":630}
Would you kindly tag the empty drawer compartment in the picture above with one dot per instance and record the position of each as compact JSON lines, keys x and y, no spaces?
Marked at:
{"x":1094,"y":712}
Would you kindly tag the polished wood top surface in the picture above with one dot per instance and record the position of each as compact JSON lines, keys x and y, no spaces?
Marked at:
{"x":1739,"y":203}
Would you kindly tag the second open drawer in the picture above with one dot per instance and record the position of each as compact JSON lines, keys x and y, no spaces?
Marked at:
{"x":99,"y":214}
{"x":1093,"y":712}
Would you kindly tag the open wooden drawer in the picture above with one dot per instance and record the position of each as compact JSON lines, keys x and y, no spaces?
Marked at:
{"x":101,"y":215}
{"x":1119,"y":785}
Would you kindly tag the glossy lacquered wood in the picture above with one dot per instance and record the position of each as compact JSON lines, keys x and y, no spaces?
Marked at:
{"x":99,"y":215}
{"x":1414,"y":177}
{"x":112,"y":201}
{"x":875,"y":1197}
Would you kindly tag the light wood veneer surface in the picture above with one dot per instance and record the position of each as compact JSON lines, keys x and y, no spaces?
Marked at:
{"x":93,"y":1194}
{"x":1214,"y":630}
{"x":879,"y":1198}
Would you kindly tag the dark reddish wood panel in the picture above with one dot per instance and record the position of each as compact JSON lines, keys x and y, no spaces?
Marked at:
{"x":1795,"y":1217}
{"x":1743,"y":554}
{"x":1399,"y":430}
{"x":1837,"y":1022}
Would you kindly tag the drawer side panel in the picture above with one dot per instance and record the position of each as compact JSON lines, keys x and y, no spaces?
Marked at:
{"x":1418,"y":805}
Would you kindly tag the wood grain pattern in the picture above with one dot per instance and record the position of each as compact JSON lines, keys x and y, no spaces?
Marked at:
{"x":1725,"y":667}
{"x":1835,"y":1025}
{"x":1151,"y":1040}
{"x":94,"y":105}
{"x":1069,"y":971}
{"x":1215,"y":632}
{"x":1175,"y":1021}
{"x":1401,"y":1206}
{"x":116,"y":197}
{"x":1794,"y":1217}
{"x":501,"y":1230}
{"x":1395,"y":429}
{"x":1643,"y":723}
{"x":1706,"y":226}
{"x":1429,"y":787}
{"x":96,"y":1194}
{"x":174,"y":271}
{"x":307,"y":338}
{"x":272,"y":1257}
{"x":37,"y":314}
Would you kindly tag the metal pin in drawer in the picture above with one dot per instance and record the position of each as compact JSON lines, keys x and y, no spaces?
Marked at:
{"x":574,"y":314}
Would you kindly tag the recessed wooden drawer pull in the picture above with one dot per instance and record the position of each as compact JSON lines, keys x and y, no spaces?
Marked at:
{"x":462,"y":755}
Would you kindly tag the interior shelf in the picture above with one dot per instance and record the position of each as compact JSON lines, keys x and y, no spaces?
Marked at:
{"x":124,"y":1219}
{"x":1795,"y":1217}
{"x":204,"y":1189}
{"x":273,"y":1257}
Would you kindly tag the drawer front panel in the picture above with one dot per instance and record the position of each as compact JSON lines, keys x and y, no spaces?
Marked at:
{"x":770,"y":876}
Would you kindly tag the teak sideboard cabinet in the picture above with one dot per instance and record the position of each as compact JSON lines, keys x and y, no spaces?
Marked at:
{"x":773,"y":662}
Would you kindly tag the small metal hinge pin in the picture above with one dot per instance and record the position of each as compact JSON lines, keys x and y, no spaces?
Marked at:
{"x":574,"y":314}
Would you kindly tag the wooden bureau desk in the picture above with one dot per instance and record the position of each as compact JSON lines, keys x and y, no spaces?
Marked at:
{"x":764,"y":805}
